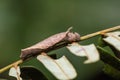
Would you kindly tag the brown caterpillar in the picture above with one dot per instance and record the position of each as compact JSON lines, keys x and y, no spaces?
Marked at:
{"x":50,"y":43}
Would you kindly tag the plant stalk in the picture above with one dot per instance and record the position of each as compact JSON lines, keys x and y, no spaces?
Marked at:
{"x":81,"y":38}
{"x":99,"y":32}
{"x":11,"y":65}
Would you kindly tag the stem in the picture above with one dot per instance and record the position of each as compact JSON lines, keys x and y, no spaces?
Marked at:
{"x":11,"y":65}
{"x":99,"y":32}
{"x":81,"y":38}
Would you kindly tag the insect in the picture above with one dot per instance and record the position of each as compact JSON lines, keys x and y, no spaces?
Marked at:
{"x":50,"y":43}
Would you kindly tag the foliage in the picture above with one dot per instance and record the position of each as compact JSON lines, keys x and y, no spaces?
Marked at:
{"x":111,"y":60}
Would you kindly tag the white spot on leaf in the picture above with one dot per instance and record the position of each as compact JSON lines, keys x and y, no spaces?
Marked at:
{"x":15,"y":72}
{"x":61,"y":68}
{"x":113,"y":39}
{"x":89,"y":51}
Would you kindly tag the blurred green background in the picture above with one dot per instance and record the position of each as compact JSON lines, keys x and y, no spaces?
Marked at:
{"x":26,"y":22}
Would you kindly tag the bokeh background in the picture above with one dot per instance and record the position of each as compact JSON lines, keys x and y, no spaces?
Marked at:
{"x":26,"y":22}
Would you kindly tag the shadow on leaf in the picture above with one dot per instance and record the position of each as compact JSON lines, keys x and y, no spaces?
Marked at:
{"x":31,"y":73}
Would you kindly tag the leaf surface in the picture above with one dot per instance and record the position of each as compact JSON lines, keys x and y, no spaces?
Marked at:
{"x":15,"y":72}
{"x":113,"y":39}
{"x":89,"y":51}
{"x":61,"y":68}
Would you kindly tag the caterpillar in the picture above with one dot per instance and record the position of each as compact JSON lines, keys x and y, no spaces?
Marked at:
{"x":50,"y":43}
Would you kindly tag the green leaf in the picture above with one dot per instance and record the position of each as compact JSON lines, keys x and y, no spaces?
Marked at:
{"x":109,"y":70}
{"x":113,"y":41}
{"x":54,"y":56}
{"x":31,"y":73}
{"x":116,"y":51}
{"x":106,"y":57}
{"x":101,"y":42}
{"x":3,"y":79}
